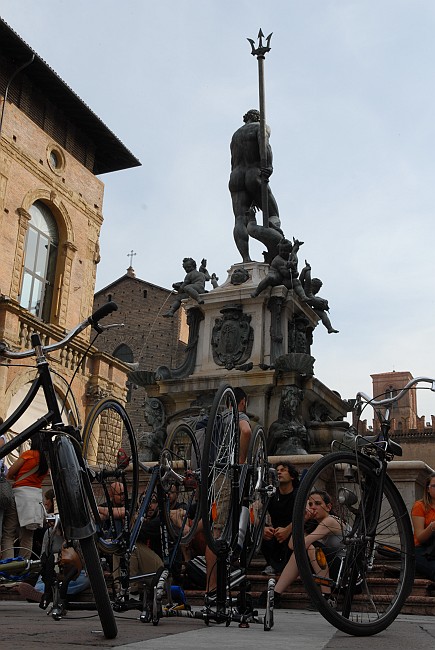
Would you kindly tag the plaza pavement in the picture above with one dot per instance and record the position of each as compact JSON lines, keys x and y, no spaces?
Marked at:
{"x":24,"y":625}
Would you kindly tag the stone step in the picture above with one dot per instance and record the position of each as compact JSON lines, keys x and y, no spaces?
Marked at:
{"x":420,"y":602}
{"x":297,"y":598}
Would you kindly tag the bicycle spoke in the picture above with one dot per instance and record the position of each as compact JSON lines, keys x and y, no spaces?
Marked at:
{"x":371,"y":576}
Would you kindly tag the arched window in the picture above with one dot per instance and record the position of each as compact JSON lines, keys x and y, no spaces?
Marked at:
{"x":124,"y":353}
{"x":40,"y":262}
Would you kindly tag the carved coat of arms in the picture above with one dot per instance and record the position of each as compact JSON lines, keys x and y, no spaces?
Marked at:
{"x":232,"y":337}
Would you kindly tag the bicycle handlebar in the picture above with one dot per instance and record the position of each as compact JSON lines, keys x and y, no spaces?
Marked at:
{"x":93,"y":320}
{"x":362,"y":397}
{"x":102,"y":312}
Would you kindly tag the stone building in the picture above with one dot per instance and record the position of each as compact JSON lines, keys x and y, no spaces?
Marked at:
{"x":52,"y":150}
{"x":147,"y":339}
{"x":416,"y":434}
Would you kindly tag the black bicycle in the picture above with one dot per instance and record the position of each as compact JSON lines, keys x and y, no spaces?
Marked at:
{"x":117,"y":536}
{"x":70,"y":475}
{"x":363,"y":587}
{"x":200,"y":459}
{"x":234,"y":500}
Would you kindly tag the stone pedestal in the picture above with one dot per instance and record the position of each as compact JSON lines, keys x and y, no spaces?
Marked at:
{"x":261,"y":344}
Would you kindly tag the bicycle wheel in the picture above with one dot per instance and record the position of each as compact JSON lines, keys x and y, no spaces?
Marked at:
{"x":110,"y":451}
{"x":221,"y":452}
{"x":374,"y":546}
{"x":99,"y":588}
{"x":180,"y":478}
{"x":258,"y":468}
{"x":71,"y":495}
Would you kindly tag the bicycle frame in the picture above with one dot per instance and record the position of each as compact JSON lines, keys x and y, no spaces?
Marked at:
{"x":131,"y":538}
{"x":62,"y":441}
{"x":382,"y":442}
{"x":70,"y":477}
{"x":52,"y":417}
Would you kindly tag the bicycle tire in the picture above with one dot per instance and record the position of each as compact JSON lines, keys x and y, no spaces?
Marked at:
{"x":360,"y":604}
{"x":258,"y":469}
{"x":221,"y":453}
{"x":99,"y":587}
{"x":110,"y":452}
{"x":69,"y":482}
{"x":180,"y":465}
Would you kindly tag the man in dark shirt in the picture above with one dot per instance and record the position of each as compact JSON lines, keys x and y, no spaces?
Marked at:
{"x":280,"y":510}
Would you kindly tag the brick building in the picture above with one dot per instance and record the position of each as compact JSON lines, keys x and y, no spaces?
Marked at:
{"x":147,"y":338}
{"x":52,"y":147}
{"x":416,"y":434}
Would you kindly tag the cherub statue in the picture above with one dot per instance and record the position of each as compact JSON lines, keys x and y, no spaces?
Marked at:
{"x":320,"y":305}
{"x":191,"y":287}
{"x":209,"y":278}
{"x":284,"y":270}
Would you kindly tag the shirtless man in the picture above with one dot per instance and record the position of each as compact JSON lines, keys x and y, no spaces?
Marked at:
{"x":245,"y":187}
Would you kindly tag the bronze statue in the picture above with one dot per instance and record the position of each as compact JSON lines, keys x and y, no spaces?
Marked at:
{"x":288,"y":434}
{"x":191,"y":287}
{"x":245,"y":188}
{"x":150,"y":443}
{"x":320,"y":305}
{"x":213,"y":278}
{"x":284,"y":270}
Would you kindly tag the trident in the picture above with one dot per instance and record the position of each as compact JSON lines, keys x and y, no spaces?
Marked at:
{"x":260,"y":54}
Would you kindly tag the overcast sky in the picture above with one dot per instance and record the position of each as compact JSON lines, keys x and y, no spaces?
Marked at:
{"x":351,"y":104}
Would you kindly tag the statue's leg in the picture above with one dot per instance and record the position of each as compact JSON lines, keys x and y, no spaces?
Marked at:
{"x":272,"y":204}
{"x":268,"y":236}
{"x":241,"y":237}
{"x":173,"y":308}
{"x":192,"y":293}
{"x":298,"y":289}
{"x":265,"y":282}
{"x":325,"y":320}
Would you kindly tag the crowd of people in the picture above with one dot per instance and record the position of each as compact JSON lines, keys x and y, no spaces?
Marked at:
{"x":22,"y":521}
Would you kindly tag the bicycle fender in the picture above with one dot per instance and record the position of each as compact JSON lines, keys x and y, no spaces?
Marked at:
{"x":69,"y":490}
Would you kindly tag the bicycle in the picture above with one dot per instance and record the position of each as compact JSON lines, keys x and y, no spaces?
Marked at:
{"x":376,"y":528}
{"x":117,"y":535}
{"x":234,"y":501}
{"x":197,"y":476}
{"x":70,"y":475}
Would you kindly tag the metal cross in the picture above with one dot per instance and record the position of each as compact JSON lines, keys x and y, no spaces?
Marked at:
{"x":131,"y":255}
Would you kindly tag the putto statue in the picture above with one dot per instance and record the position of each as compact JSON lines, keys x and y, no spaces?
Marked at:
{"x":193,"y":284}
{"x":191,"y":287}
{"x":213,"y":278}
{"x":245,"y":188}
{"x":284,"y":270}
{"x":320,"y":305}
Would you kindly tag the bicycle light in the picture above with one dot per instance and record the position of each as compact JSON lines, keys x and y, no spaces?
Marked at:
{"x":346,"y":497}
